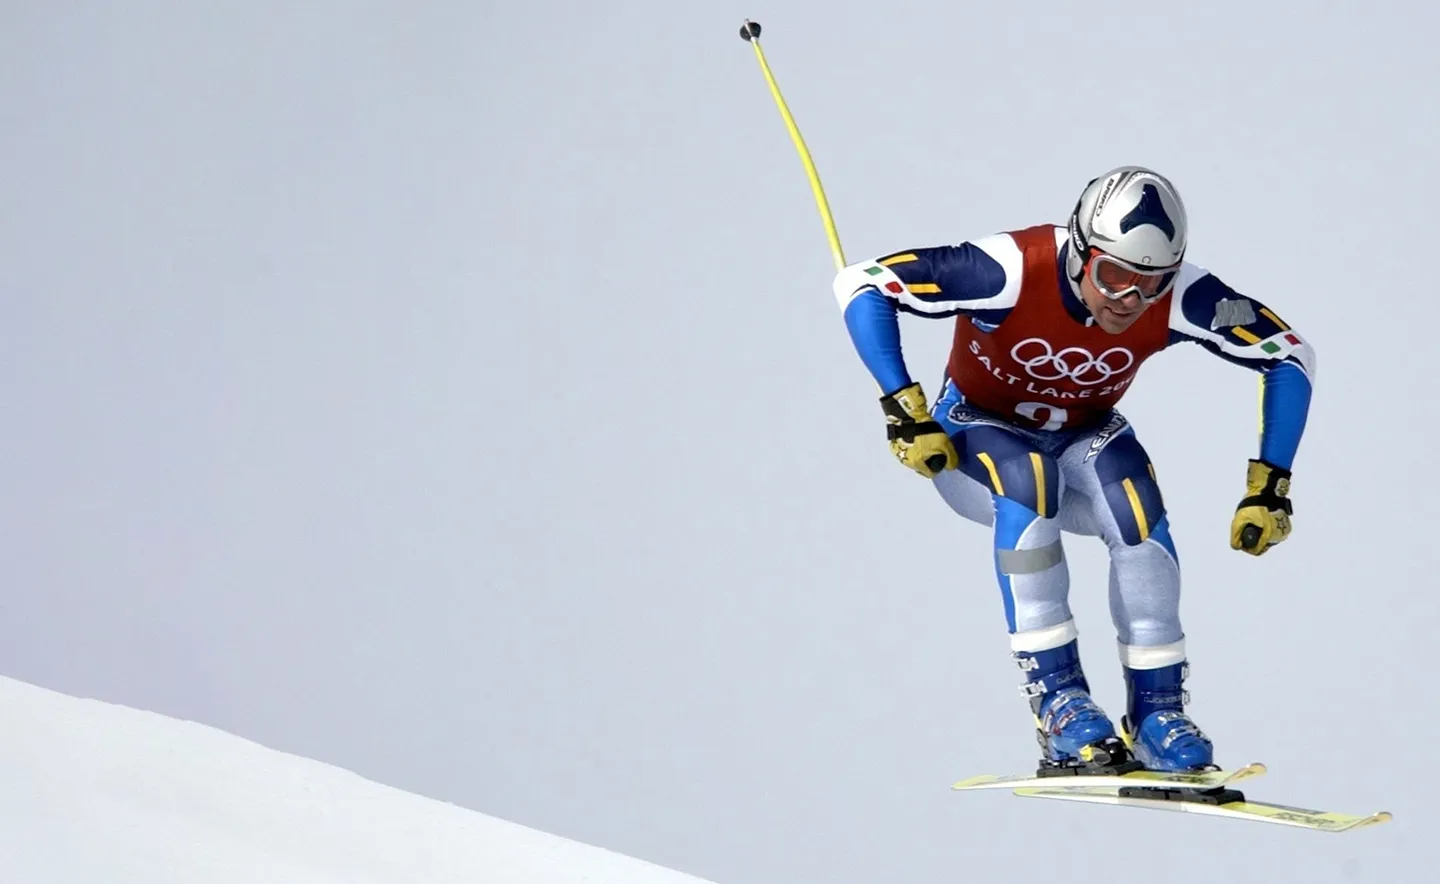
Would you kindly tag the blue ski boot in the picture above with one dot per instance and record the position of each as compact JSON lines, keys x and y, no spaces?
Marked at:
{"x":1075,"y":734}
{"x":1159,"y":732}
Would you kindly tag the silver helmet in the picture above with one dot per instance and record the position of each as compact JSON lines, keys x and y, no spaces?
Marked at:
{"x":1131,"y":213}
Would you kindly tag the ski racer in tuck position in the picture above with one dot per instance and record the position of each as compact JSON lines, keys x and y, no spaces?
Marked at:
{"x":1051,"y":326}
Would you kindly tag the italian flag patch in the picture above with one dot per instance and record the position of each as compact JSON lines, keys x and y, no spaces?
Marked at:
{"x":1272,"y":347}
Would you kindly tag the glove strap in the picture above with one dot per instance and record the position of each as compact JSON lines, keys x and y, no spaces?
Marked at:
{"x":909,"y":430}
{"x":1269,"y":486}
{"x":905,"y":404}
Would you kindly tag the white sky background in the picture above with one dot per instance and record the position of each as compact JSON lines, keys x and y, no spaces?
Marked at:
{"x":457,"y":396}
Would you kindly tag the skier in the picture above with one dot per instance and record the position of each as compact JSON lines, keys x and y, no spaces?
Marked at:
{"x":1051,"y":326}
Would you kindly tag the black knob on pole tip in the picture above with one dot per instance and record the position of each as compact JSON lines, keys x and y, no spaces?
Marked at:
{"x":1250,"y":536}
{"x":749,"y":30}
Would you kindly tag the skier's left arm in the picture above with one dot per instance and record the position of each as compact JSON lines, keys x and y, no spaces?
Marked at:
{"x":1243,"y":331}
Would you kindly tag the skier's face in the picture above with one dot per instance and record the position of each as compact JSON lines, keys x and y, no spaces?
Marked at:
{"x":1114,"y":316}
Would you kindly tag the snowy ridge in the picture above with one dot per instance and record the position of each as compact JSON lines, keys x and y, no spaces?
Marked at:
{"x":94,"y":792}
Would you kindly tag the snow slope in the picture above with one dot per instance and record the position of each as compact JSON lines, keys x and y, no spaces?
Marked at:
{"x":95,"y":792}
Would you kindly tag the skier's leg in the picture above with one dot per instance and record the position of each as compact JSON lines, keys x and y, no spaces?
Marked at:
{"x":1005,"y":482}
{"x":1115,"y":472}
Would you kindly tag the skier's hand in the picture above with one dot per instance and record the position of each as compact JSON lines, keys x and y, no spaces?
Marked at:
{"x":1263,"y":517}
{"x":915,"y":437}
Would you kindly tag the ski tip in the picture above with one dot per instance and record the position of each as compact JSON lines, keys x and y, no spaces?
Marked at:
{"x":973,"y":782}
{"x":1362,"y":822}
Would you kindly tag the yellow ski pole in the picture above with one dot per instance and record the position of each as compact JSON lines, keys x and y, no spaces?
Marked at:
{"x":750,"y":32}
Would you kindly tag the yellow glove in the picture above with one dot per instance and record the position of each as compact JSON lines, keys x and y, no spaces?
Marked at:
{"x":915,"y":437}
{"x":1263,"y":517}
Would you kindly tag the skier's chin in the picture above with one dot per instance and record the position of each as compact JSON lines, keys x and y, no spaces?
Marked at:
{"x":1114,"y":321}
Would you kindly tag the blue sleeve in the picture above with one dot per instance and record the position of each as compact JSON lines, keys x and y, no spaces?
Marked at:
{"x":1284,"y":408}
{"x":874,"y":328}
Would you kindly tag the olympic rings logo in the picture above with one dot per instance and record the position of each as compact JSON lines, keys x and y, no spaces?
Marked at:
{"x":1076,"y":364}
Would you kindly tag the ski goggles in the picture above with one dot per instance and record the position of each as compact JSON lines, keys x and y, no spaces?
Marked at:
{"x":1116,"y":279}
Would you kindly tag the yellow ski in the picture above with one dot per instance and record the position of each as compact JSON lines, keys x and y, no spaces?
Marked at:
{"x":1142,"y":778}
{"x":1220,"y":802}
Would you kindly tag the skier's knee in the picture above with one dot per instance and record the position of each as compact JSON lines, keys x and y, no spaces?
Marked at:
{"x":1131,"y":492}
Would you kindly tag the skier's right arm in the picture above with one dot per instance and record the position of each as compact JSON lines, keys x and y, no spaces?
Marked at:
{"x":979,"y":279}
{"x":934,"y":282}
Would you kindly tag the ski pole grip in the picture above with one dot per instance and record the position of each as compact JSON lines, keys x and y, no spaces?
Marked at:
{"x":1250,"y":536}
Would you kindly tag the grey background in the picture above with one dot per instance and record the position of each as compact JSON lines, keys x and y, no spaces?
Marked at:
{"x":455,"y":394}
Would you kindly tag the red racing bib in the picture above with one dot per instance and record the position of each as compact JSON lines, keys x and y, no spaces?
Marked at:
{"x":1041,"y":367}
